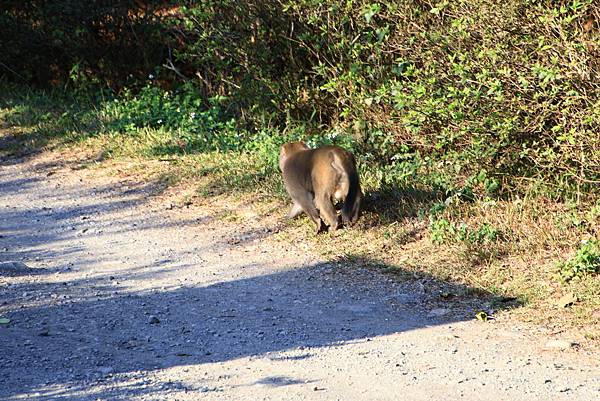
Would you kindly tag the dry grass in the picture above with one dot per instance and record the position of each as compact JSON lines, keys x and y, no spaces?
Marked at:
{"x":521,"y":264}
{"x":393,"y":234}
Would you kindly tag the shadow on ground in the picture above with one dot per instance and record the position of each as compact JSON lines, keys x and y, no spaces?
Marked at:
{"x":95,"y":338}
{"x":98,"y":336}
{"x":408,"y":202}
{"x":109,"y":331}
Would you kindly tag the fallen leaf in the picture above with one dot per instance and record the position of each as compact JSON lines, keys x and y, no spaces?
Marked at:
{"x":482,"y":315}
{"x":567,"y":300}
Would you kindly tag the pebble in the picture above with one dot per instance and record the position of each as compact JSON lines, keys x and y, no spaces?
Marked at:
{"x":153,"y":320}
{"x":560,"y":344}
{"x":105,"y":369}
{"x":438,"y":312}
{"x":13,"y":267}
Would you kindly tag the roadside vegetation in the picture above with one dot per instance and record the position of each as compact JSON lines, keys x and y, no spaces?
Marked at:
{"x":476,"y":124}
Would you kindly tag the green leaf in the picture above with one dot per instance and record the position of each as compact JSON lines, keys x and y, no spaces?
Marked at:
{"x":371,"y":11}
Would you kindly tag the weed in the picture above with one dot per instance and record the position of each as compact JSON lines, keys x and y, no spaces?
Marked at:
{"x":192,"y":128}
{"x":442,"y":230}
{"x":586,"y":260}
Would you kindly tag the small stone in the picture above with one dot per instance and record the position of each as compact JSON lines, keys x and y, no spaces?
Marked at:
{"x":13,"y":267}
{"x":438,"y":312}
{"x":560,"y":344}
{"x":105,"y":370}
{"x":153,"y":320}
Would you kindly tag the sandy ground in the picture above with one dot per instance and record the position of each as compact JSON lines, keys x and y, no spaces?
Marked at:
{"x":114,"y":295}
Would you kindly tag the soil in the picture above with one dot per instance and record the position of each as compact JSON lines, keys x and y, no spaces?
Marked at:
{"x":115,"y":293}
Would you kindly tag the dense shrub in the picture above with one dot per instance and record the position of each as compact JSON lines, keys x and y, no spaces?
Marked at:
{"x":480,"y":96}
{"x":503,"y":89}
{"x":89,"y":43}
{"x":485,"y":91}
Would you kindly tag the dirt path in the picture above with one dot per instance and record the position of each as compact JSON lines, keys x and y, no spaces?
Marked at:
{"x":113,"y":296}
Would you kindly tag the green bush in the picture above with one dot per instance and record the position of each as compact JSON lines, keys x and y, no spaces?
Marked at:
{"x":442,"y":230}
{"x":193,"y":127}
{"x":509,"y":88}
{"x":585,"y":261}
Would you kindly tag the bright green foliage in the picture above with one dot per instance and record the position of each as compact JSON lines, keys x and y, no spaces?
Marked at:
{"x":194,"y":128}
{"x":585,"y":261}
{"x":439,"y":230}
{"x":442,"y":230}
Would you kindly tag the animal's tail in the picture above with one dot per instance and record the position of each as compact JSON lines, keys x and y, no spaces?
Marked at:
{"x":351,"y":207}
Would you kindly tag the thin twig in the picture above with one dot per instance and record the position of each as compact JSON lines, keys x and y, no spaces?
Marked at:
{"x":13,"y":71}
{"x":170,"y":66}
